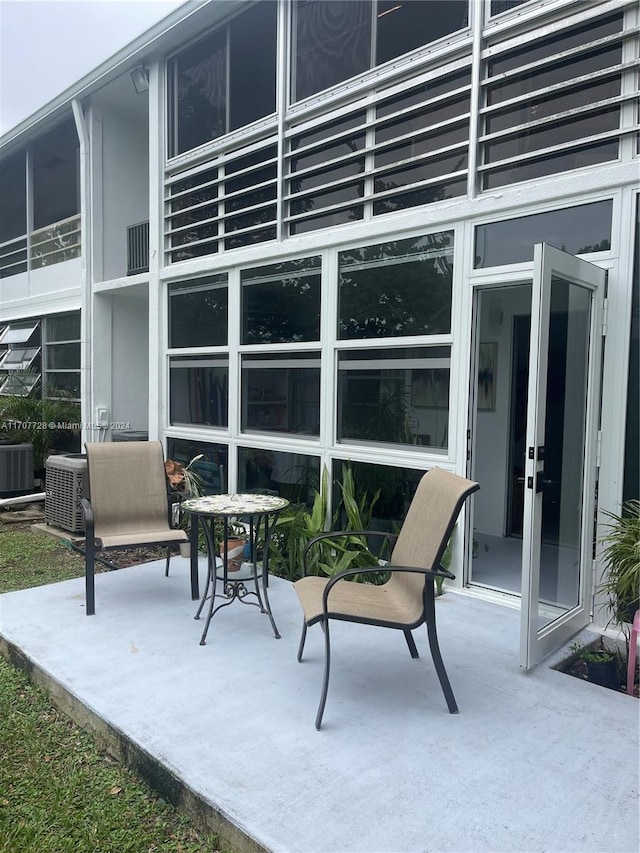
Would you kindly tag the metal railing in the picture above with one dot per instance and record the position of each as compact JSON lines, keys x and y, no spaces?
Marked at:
{"x":42,"y":248}
{"x":138,"y":248}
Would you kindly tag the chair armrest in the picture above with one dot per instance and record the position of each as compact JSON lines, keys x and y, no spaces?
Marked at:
{"x":430,"y":573}
{"x":344,"y":534}
{"x":89,"y":524}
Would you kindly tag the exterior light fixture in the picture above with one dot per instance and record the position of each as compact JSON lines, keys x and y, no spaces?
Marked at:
{"x":140,"y":78}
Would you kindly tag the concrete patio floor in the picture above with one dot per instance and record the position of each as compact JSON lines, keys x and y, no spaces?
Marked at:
{"x":535,"y":761}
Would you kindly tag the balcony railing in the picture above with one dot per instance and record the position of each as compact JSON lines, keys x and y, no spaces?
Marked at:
{"x":138,"y":248}
{"x":55,"y":243}
{"x":42,"y":248}
{"x":13,"y":257}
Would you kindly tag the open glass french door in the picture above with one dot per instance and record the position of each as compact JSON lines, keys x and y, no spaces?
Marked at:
{"x":560,"y":450}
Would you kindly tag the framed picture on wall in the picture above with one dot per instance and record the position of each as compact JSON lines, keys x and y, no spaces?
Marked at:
{"x":487,"y":367}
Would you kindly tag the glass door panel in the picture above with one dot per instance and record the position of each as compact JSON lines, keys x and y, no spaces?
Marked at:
{"x":559,"y":488}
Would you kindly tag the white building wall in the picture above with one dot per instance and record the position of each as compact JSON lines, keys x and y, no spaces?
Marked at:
{"x":41,"y":291}
{"x":130,"y":358}
{"x":125,"y":186}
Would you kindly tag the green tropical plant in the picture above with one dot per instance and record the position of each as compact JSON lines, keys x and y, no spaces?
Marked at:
{"x":621,"y":556}
{"x":299,"y":524}
{"x":49,"y":423}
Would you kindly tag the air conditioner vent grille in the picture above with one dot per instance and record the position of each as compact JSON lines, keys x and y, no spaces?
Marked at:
{"x":67,"y":483}
{"x":16,"y":469}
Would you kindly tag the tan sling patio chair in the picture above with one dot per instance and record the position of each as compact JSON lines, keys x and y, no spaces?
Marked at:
{"x":129,"y":503}
{"x":407,"y":599}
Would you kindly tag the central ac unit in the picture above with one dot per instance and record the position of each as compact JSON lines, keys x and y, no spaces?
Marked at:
{"x":66,"y":483}
{"x":16,"y":469}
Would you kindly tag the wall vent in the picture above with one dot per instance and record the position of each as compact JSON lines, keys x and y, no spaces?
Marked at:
{"x":138,"y":248}
{"x":67,"y":482}
{"x":16,"y":470}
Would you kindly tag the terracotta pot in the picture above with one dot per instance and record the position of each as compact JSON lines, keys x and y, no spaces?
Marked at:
{"x":234,"y":550}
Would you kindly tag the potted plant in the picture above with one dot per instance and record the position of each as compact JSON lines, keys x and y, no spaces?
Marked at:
{"x":621,"y":556}
{"x":184,"y":482}
{"x":232,"y":548}
{"x":601,"y":664}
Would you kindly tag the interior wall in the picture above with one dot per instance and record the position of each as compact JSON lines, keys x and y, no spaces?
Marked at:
{"x":125,"y":189}
{"x":498,"y":307}
{"x":130,"y":358}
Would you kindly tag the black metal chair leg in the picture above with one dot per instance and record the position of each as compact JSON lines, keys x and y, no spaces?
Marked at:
{"x":302,"y":639}
{"x":166,"y":571}
{"x":89,"y":578}
{"x":325,"y":682}
{"x":411,"y":643}
{"x":430,"y":612}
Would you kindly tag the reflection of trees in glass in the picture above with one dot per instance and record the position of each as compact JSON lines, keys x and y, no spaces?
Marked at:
{"x":603,"y":246}
{"x":199,"y":120}
{"x":400,"y":295}
{"x":281,"y":302}
{"x":284,"y":311}
{"x":420,"y":195}
{"x":198,"y":318}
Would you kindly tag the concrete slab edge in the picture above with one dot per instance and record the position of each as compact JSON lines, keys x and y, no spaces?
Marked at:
{"x":204,"y":814}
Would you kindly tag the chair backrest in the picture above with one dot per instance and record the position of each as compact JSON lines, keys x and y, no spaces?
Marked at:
{"x":128,"y":487}
{"x":429,"y":523}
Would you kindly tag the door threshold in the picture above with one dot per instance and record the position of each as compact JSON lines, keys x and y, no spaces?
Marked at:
{"x":487,"y":593}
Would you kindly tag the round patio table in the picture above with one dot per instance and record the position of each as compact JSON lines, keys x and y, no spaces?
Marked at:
{"x":248,"y":584}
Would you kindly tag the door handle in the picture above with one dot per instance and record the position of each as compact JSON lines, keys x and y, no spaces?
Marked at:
{"x":541,"y":482}
{"x":544,"y":481}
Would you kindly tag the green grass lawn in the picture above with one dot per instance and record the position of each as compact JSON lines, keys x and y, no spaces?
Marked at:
{"x":33,"y":559}
{"x":59,"y":793}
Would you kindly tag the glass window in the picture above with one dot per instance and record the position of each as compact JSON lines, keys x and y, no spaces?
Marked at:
{"x":62,"y":356}
{"x":327,"y":165}
{"x":215,"y":88}
{"x":546,"y":106}
{"x":293,"y":476}
{"x":252,"y":64}
{"x":565,"y":161}
{"x":198,"y":312}
{"x":250,"y":194}
{"x":333,"y":43}
{"x":20,"y":333}
{"x":395,"y":488}
{"x":63,"y":327}
{"x":67,"y":384}
{"x":552,"y":134}
{"x":193,"y":211}
{"x":281,"y":302}
{"x":401,"y":27}
{"x":56,"y":190}
{"x":199,"y":390}
{"x":327,"y":220}
{"x":521,"y":77}
{"x":18,"y":384}
{"x":631,"y":489}
{"x":396,"y":289}
{"x":538,"y":49}
{"x":577,"y":230}
{"x":339,"y":39}
{"x":212,"y":467}
{"x":18,"y":358}
{"x":13,"y":192}
{"x":394,"y":396}
{"x":499,"y":6}
{"x":281,"y":393}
